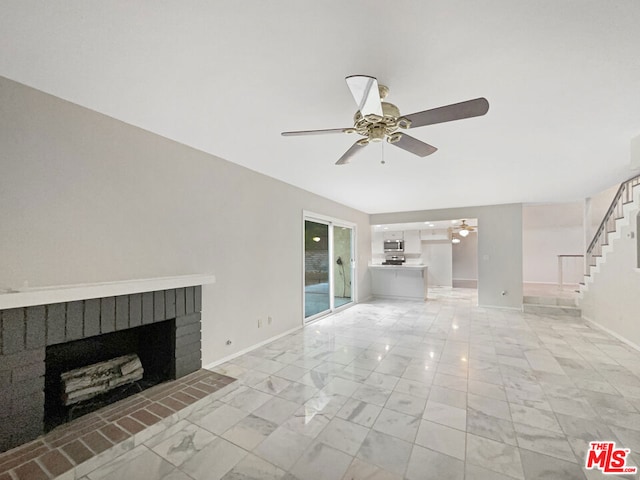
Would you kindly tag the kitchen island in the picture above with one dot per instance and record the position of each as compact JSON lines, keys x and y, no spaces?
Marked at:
{"x":399,"y":281}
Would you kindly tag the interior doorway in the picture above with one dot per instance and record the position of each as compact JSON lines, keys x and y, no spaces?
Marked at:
{"x":329,"y":265}
{"x":449,"y":248}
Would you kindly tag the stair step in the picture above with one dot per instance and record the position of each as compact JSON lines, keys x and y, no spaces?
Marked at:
{"x":552,"y":310}
{"x":549,"y":301}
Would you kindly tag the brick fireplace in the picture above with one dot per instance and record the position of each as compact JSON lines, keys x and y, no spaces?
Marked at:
{"x":27,"y":332}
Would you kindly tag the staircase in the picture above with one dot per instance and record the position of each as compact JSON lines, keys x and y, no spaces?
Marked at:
{"x":621,"y":213}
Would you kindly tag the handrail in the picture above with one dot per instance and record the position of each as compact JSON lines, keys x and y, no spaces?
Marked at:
{"x":623,"y":196}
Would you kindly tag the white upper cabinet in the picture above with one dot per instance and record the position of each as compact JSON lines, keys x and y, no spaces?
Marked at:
{"x":393,"y":235}
{"x":434,"y":235}
{"x":377,"y":242}
{"x":412,"y":241}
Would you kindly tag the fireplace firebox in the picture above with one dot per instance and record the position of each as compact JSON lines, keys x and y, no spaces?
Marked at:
{"x":154,"y":345}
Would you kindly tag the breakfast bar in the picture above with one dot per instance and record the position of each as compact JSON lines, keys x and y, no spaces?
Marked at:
{"x":399,"y":281}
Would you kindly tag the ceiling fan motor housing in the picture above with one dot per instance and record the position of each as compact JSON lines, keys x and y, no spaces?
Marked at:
{"x":375,"y":127}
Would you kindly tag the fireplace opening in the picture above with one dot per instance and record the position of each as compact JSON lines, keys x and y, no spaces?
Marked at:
{"x":154,"y":344}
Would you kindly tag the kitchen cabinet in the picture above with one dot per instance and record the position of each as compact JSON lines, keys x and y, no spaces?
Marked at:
{"x":434,"y":235}
{"x":399,"y":281}
{"x":412,"y":242}
{"x":377,"y":242}
{"x":393,"y":235}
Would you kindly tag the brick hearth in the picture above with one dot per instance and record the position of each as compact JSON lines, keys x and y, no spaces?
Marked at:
{"x":79,"y":441}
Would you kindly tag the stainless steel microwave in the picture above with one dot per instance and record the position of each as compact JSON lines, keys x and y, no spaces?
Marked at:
{"x":394,"y":245}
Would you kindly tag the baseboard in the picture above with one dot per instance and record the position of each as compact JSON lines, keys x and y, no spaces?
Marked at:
{"x":565,"y":284}
{"x":251,"y":348}
{"x":502,"y":307}
{"x":397,"y":297}
{"x":464,"y":283}
{"x":612,"y":333}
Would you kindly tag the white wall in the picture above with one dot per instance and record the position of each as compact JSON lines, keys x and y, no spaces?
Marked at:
{"x":465,"y":260}
{"x":437,"y":255}
{"x":86,"y":198}
{"x":548,"y":231}
{"x":596,"y":207}
{"x":499,"y":247}
{"x":612,"y":299}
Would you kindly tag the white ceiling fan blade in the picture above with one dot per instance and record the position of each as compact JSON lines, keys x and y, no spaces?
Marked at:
{"x":346,"y":158}
{"x":457,"y":111}
{"x":413,"y":145}
{"x":314,"y":132}
{"x":365,"y":92}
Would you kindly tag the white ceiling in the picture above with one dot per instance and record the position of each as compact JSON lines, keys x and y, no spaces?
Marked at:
{"x":562,"y":79}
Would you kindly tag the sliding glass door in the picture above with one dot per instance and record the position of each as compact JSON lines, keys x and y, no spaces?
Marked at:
{"x":316,"y":269}
{"x":342,"y":261}
{"x":328,"y":266}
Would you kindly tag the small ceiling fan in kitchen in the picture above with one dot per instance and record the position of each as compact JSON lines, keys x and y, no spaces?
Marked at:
{"x":376,"y":120}
{"x":463,"y":229}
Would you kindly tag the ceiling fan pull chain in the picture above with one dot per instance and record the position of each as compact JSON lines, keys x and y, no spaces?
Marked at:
{"x":382,"y":161}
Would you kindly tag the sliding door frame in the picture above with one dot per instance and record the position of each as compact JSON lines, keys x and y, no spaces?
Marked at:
{"x":331,"y":222}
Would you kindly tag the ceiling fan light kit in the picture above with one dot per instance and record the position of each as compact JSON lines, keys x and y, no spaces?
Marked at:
{"x":463,"y":230}
{"x":376,"y":120}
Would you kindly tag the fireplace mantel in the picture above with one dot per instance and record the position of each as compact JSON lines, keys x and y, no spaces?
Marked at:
{"x":27,"y":297}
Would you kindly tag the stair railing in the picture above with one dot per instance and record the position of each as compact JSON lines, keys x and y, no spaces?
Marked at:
{"x":623,"y":196}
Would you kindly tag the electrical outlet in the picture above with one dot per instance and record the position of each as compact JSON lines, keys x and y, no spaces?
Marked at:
{"x":269,"y":320}
{"x":259,"y":322}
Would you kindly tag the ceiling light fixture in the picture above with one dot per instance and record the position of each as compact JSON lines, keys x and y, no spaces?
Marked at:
{"x":455,"y":240}
{"x":464,"y":229}
{"x":316,"y":239}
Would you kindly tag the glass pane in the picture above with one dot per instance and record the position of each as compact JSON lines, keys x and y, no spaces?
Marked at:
{"x":316,"y":268}
{"x":342,"y":248}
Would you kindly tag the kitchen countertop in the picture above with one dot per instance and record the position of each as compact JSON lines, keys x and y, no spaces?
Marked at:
{"x":398,"y":267}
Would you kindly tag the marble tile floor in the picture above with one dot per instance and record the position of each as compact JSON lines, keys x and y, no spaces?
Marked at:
{"x":408,"y":390}
{"x":568,"y":291}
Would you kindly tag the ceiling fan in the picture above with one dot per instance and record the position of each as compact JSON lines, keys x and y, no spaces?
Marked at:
{"x":464,"y":229}
{"x":377,"y":120}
